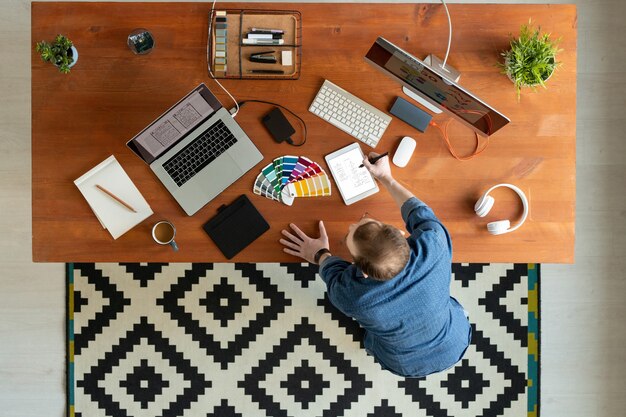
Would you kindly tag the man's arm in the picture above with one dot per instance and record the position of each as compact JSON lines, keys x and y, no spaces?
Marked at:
{"x":335,"y":272}
{"x":382,"y":172}
{"x":416,"y":214}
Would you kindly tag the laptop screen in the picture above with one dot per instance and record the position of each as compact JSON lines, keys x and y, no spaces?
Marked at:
{"x":173,"y":125}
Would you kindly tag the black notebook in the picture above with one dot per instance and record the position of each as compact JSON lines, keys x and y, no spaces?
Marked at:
{"x":235,"y":226}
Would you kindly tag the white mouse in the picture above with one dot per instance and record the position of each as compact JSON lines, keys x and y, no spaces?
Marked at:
{"x":404,"y":152}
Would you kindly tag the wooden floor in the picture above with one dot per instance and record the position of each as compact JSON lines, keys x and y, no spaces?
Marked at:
{"x":583,"y":334}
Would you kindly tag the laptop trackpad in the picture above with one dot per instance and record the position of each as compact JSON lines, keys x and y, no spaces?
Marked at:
{"x":212,"y":180}
{"x":221,"y":173}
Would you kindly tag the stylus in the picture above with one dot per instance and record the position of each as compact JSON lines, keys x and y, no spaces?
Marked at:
{"x":375,"y":159}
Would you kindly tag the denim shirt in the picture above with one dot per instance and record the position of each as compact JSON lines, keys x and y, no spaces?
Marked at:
{"x":413,"y":327}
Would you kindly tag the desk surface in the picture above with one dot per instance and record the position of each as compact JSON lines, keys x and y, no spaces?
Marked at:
{"x":80,"y":119}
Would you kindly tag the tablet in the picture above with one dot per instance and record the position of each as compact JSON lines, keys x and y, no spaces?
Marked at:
{"x":354,"y":183}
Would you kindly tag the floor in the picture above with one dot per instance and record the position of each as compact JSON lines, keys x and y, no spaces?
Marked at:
{"x":583,"y":335}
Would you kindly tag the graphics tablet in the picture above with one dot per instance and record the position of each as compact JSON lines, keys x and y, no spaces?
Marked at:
{"x":354,"y":183}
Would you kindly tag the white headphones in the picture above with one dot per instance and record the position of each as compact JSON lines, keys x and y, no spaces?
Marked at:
{"x":485,"y":203}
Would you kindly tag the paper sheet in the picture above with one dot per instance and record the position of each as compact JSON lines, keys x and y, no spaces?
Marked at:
{"x":113,"y":216}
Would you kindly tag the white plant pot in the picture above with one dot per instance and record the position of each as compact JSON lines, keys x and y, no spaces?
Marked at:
{"x":74,"y":55}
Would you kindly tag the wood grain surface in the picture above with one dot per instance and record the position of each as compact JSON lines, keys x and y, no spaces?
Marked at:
{"x":80,"y":119}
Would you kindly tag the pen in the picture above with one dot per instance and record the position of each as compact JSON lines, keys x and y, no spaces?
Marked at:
{"x":375,"y":159}
{"x":261,"y":42}
{"x":266,"y":72}
{"x":261,"y":30}
{"x":116,"y":198}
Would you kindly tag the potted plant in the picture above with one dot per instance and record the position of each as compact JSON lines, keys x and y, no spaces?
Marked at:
{"x":61,"y":53}
{"x":531,"y":59}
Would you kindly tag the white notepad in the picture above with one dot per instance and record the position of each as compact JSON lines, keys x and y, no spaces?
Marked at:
{"x":113,"y":216}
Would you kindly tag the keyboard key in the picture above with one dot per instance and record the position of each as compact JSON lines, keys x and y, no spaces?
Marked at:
{"x":341,"y":125}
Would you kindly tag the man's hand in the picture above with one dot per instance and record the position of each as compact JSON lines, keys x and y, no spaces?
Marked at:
{"x":381,"y":169}
{"x":382,"y":172}
{"x":303,"y":246}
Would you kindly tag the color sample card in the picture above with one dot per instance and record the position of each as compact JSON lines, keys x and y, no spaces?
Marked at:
{"x":301,"y":164}
{"x":265,"y":188}
{"x":278,"y":167}
{"x":221,"y":33}
{"x":289,"y":162}
{"x":288,"y":177}
{"x":310,"y":171}
{"x":317,"y":186}
{"x":270,"y":173}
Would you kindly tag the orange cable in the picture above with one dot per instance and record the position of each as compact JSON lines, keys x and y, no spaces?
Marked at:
{"x":477,"y":151}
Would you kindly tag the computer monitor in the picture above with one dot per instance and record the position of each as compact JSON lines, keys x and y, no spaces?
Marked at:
{"x":434,"y":88}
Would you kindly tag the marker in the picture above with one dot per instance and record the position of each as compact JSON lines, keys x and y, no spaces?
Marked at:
{"x":262,"y":42}
{"x":265,"y":30}
{"x":375,"y":159}
{"x":269,"y":36}
{"x":266,"y":72}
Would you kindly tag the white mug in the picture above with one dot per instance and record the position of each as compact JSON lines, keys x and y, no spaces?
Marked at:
{"x":163,"y":233}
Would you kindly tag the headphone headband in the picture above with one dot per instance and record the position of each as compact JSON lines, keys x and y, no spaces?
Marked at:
{"x":521,"y":195}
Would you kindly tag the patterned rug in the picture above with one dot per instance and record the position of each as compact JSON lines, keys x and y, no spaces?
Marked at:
{"x":239,"y":340}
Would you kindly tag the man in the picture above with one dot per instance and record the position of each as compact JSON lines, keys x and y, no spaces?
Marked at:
{"x":397,"y":289}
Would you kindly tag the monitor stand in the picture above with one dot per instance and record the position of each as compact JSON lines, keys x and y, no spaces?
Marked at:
{"x":436,"y":65}
{"x":421,"y":101}
{"x":448,"y":71}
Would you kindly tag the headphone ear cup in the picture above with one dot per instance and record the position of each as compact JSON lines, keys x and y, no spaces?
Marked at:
{"x":484,"y":205}
{"x":499,"y":227}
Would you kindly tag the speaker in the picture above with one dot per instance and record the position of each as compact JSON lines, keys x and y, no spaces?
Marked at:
{"x":500,"y":227}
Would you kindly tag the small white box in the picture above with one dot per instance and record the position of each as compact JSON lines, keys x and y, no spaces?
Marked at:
{"x":286,"y":58}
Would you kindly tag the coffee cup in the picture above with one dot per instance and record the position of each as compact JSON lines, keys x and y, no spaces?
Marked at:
{"x":163,"y":233}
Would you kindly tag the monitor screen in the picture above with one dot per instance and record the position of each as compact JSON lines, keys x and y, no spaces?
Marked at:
{"x":419,"y":78}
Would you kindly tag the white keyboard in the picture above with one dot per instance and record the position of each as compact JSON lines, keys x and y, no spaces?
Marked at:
{"x":350,"y":114}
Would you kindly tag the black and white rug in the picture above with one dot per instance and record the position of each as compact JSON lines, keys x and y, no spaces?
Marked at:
{"x":260,"y":340}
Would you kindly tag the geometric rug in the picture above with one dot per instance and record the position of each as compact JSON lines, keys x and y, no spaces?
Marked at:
{"x":244,"y":339}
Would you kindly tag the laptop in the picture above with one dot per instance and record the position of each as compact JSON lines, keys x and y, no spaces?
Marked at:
{"x":196,"y":149}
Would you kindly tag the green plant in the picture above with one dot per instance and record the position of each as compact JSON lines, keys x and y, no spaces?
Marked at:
{"x":531,"y":59}
{"x":57,"y":52}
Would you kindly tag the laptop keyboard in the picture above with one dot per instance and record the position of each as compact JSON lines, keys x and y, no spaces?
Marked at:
{"x":198,"y":154}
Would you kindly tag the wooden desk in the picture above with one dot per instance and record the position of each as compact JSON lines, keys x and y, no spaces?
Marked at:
{"x":81,"y":118}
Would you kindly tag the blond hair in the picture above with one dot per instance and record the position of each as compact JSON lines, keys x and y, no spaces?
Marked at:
{"x":382,"y":250}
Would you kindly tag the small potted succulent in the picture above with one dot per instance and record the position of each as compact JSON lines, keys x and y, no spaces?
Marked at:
{"x":61,"y":53}
{"x":531,"y":59}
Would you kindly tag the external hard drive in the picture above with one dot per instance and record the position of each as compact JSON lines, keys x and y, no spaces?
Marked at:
{"x":278,"y":126}
{"x":410,"y":114}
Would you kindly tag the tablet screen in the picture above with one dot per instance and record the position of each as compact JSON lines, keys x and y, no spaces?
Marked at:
{"x":351,"y":180}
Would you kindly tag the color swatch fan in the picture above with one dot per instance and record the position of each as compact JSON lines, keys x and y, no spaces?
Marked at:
{"x":288,"y":177}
